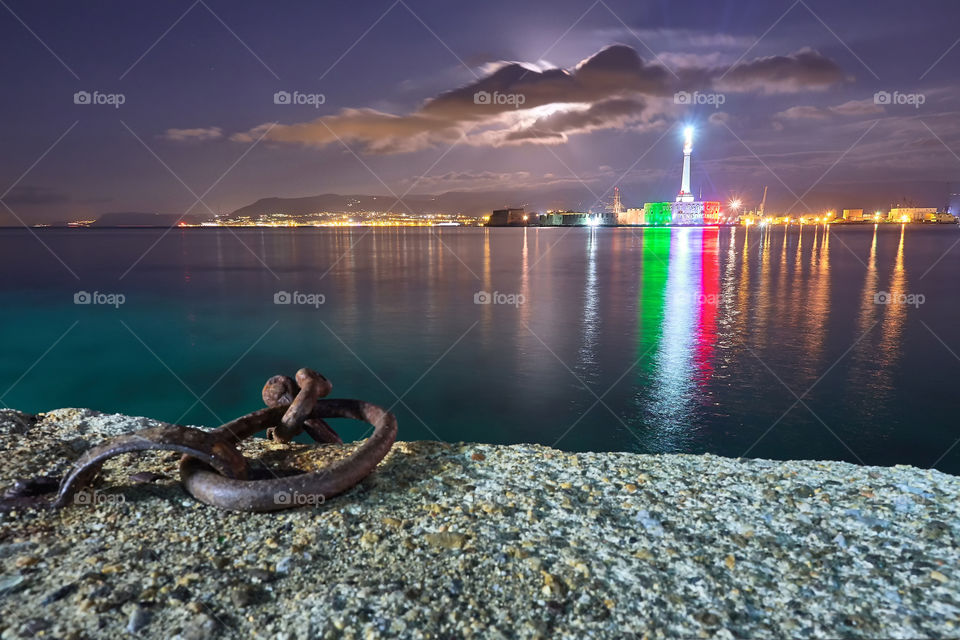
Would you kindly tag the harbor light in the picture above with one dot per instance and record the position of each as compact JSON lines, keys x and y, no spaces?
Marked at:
{"x":686,"y":195}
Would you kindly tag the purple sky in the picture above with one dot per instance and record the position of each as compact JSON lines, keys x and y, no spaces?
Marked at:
{"x":592,"y":94}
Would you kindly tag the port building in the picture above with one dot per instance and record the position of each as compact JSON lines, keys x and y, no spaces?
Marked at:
{"x":912,"y":214}
{"x":508,"y":218}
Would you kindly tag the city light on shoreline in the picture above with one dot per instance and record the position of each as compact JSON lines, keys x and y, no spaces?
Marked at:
{"x":686,"y":209}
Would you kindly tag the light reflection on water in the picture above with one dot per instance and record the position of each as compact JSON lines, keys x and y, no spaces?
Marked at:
{"x":765,"y":341}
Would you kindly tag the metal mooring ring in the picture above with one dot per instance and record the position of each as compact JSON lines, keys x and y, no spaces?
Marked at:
{"x":215,"y":472}
{"x":204,"y":445}
{"x":207,"y":485}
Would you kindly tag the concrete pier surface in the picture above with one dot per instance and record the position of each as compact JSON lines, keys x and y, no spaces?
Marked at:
{"x":473,"y":540}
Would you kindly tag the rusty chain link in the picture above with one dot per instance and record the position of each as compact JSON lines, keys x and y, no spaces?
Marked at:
{"x":212,"y":468}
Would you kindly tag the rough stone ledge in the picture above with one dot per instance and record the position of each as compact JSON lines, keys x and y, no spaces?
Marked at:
{"x":459,"y":540}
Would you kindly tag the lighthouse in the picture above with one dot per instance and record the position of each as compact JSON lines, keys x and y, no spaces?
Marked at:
{"x":685,"y":194}
{"x":686,"y":209}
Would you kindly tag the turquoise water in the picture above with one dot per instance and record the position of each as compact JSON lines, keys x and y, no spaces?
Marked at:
{"x":655,"y":340}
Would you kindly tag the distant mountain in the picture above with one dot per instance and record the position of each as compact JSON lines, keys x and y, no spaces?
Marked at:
{"x":471,"y":203}
{"x":866,"y":195}
{"x":140,"y":219}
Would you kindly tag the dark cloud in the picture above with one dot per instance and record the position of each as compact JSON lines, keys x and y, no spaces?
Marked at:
{"x":519,"y":103}
{"x":476,"y":180}
{"x":804,"y":70}
{"x":614,"y":71}
{"x":29,"y":195}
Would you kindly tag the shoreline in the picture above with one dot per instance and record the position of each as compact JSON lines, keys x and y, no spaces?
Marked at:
{"x":883,"y":223}
{"x":471,"y":539}
{"x":442,"y":226}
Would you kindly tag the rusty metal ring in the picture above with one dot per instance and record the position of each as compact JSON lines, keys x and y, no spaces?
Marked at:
{"x":210,"y":487}
{"x":283,"y":390}
{"x":312,"y":386}
{"x":203,"y":445}
{"x":214,"y":471}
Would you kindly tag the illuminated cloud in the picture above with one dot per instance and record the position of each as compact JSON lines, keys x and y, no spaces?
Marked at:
{"x":803,"y":113}
{"x":559,"y":124}
{"x":719,"y":117}
{"x":685,"y":38}
{"x":189,"y":135}
{"x":850,"y":108}
{"x":858,"y":108}
{"x":521,"y":103}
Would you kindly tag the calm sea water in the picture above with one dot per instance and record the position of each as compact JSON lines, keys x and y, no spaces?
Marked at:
{"x":764,"y":343}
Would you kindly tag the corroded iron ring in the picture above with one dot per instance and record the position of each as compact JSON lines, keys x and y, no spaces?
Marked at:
{"x":207,"y":485}
{"x":283,"y":390}
{"x":208,"y":446}
{"x":312,"y":386}
{"x":215,"y":472}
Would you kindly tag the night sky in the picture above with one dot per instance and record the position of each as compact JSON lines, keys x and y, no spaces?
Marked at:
{"x":598,"y":81}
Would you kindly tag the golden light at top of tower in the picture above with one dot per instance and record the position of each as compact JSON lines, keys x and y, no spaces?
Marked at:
{"x":688,"y":139}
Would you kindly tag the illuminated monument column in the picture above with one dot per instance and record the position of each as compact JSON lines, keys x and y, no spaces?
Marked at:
{"x":685,"y":195}
{"x":686,"y":210}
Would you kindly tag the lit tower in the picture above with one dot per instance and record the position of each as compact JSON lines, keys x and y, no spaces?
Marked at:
{"x":685,"y":195}
{"x":617,"y":206}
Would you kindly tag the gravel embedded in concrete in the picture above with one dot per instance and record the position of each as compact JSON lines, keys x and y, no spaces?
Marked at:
{"x":460,"y":540}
